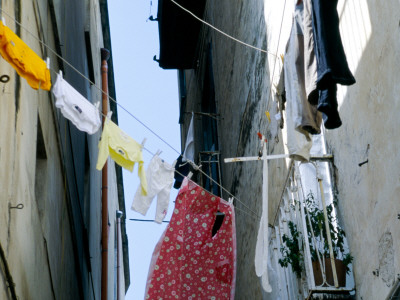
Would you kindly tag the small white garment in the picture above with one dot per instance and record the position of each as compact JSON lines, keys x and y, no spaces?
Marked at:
{"x":160,"y":176}
{"x":76,"y":108}
{"x":188,"y":154}
{"x":262,"y":245}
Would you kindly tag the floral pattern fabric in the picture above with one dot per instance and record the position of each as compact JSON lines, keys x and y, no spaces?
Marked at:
{"x":189,"y":262}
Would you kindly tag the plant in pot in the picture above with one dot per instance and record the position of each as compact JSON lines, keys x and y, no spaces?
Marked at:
{"x":293,"y":252}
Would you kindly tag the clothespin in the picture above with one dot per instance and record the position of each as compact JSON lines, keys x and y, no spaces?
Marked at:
{"x":230,"y":200}
{"x":60,"y":73}
{"x":109,"y":114}
{"x":262,"y":137}
{"x":3,"y":20}
{"x":143,"y":142}
{"x":48,"y":62}
{"x":268,"y":116}
{"x":189,"y":176}
{"x":174,"y":163}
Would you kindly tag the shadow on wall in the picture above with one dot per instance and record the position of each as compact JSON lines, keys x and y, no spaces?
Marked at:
{"x":369,"y":110}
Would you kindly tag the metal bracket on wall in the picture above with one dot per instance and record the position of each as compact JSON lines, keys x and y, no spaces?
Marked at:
{"x":19,"y":206}
{"x":214,"y":116}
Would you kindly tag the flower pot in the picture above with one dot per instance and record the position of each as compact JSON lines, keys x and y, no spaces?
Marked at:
{"x":340,"y":271}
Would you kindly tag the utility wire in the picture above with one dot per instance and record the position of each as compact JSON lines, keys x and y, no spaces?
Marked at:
{"x":220,"y":31}
{"x":127,"y":111}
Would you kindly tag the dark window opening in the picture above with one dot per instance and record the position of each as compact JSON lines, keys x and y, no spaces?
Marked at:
{"x":209,"y":156}
{"x":40,"y":171}
{"x":182,"y":95}
{"x":89,"y":56}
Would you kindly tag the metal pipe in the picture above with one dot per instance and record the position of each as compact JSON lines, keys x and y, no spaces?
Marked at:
{"x":105,"y":54}
{"x":119,"y":215}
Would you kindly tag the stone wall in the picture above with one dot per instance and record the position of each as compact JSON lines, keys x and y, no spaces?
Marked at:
{"x":368,"y":204}
{"x":52,"y":245}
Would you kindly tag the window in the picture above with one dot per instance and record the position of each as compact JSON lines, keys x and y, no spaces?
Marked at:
{"x":40,"y":171}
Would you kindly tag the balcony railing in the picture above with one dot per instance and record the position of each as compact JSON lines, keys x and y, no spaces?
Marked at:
{"x":307,"y":237}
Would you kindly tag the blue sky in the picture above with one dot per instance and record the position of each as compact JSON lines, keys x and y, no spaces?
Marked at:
{"x":151,"y":94}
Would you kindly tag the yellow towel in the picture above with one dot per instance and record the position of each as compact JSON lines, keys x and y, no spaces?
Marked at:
{"x":23,"y":59}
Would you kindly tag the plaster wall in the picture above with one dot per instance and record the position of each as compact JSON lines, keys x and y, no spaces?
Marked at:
{"x":242,"y":87}
{"x":367,"y":194}
{"x":40,"y":240}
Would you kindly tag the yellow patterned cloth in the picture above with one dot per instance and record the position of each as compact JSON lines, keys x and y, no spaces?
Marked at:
{"x":23,"y":59}
{"x":123,"y":149}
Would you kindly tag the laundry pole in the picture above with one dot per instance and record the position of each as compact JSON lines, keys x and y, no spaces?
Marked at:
{"x":261,"y":255}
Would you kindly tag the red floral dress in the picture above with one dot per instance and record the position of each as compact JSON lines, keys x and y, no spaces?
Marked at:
{"x":189,"y":262}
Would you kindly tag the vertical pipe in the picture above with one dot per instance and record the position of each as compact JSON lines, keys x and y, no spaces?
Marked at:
{"x":119,"y":215}
{"x":105,"y":54}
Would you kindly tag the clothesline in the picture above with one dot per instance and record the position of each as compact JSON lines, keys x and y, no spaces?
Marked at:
{"x":123,"y":108}
{"x":223,"y":33}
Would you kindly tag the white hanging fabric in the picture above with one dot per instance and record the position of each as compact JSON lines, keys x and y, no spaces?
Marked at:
{"x":188,"y":154}
{"x":76,"y":108}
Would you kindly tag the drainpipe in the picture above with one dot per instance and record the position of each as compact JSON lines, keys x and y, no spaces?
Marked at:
{"x":105,"y":54}
{"x":119,"y":215}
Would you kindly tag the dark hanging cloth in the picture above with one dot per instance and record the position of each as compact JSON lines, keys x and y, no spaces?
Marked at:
{"x":331,"y":59}
{"x":332,"y":63}
{"x":181,"y":169}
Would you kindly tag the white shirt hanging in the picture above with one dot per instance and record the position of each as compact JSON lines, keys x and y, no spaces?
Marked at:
{"x":76,"y":108}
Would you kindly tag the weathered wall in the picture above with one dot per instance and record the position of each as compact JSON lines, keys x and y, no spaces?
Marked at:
{"x":241,"y":77}
{"x":52,"y":245}
{"x":367,"y":194}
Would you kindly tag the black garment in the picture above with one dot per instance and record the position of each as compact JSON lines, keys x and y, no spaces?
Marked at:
{"x":183,"y":168}
{"x":331,"y":59}
{"x":327,"y":104}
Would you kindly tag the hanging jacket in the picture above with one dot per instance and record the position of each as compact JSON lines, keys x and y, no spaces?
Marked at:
{"x":23,"y":59}
{"x":191,"y":260}
{"x":123,"y":149}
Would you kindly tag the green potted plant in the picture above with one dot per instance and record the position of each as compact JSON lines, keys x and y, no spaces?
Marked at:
{"x":293,"y":254}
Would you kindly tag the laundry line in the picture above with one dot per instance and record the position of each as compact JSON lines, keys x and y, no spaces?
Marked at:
{"x":241,"y":42}
{"x":252,"y":214}
{"x":222,"y":32}
{"x":123,"y":108}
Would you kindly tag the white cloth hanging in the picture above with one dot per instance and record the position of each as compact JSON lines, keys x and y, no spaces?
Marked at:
{"x":188,"y":154}
{"x":160,"y":176}
{"x":76,"y":108}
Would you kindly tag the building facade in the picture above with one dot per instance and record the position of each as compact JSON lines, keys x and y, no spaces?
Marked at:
{"x":50,"y":190}
{"x":230,"y":86}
